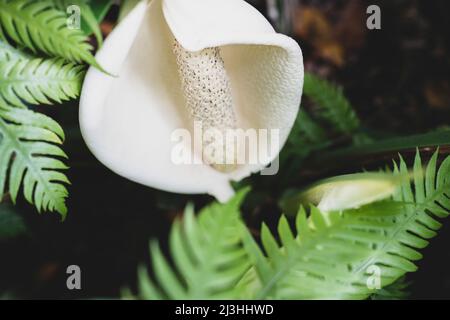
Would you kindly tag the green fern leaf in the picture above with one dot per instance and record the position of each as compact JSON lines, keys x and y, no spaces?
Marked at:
{"x":336,"y":108}
{"x":309,"y":135}
{"x":207,"y":253}
{"x":337,"y":255}
{"x":40,"y":27}
{"x":306,"y":136}
{"x":8,"y":52}
{"x":87,"y":15}
{"x":38,"y":81}
{"x":28,"y":156}
{"x":334,"y":255}
{"x":399,"y":290}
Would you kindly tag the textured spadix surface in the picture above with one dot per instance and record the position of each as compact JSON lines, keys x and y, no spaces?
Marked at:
{"x":127,"y":121}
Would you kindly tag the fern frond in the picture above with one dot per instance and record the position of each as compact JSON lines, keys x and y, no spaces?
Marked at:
{"x":8,"y":52}
{"x":37,"y":81}
{"x":399,"y":290}
{"x":87,"y":15}
{"x":40,"y":27}
{"x":207,"y":253}
{"x":306,"y":134}
{"x":337,"y":254}
{"x":305,"y":138}
{"x":336,"y":108}
{"x":29,"y":152}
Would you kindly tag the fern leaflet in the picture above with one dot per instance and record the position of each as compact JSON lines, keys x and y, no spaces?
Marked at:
{"x":8,"y":52}
{"x":40,"y":27}
{"x":36,"y":81}
{"x":87,"y":15}
{"x":337,"y":109}
{"x":333,"y":254}
{"x":29,"y":148}
{"x":207,"y":253}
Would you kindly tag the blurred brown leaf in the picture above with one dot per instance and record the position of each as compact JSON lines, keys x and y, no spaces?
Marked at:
{"x":438,"y":94}
{"x":48,"y":271}
{"x":333,"y":33}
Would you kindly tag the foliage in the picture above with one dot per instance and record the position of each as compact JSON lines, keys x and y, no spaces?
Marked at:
{"x":335,"y":106}
{"x":8,"y":52}
{"x":29,"y":146}
{"x":389,"y":145}
{"x":332,"y":252}
{"x":207,"y":254}
{"x":36,"y":81}
{"x":333,"y":120}
{"x":89,"y":21}
{"x":30,"y":152}
{"x":399,"y":290}
{"x":29,"y":140}
{"x":306,"y":136}
{"x":344,"y":228}
{"x":331,"y":255}
{"x":39,"y":26}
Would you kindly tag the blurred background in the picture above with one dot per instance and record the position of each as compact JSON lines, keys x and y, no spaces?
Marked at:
{"x":397,"y":78}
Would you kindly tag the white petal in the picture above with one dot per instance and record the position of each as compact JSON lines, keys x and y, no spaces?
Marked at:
{"x":352,"y":190}
{"x":127,"y":121}
{"x":200,"y":24}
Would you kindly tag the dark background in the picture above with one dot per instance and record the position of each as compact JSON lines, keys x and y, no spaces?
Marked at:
{"x":397,"y":79}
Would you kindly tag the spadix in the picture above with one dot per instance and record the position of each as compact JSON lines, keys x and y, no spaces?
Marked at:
{"x":178,"y":63}
{"x":209,"y":100}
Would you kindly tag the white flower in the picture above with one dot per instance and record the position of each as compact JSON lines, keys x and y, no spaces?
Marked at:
{"x":181,"y":62}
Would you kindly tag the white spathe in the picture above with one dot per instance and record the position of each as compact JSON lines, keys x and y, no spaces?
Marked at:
{"x":127,"y":121}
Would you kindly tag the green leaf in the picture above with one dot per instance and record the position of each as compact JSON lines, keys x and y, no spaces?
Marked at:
{"x":399,"y":290}
{"x":89,"y":22}
{"x":335,"y":106}
{"x":29,"y":152}
{"x":207,"y":254}
{"x":8,"y":52}
{"x":306,"y":136}
{"x":320,"y":128}
{"x":100,"y":8}
{"x":350,"y":254}
{"x":40,"y":27}
{"x":393,"y":145}
{"x":336,"y":255}
{"x":38,"y":81}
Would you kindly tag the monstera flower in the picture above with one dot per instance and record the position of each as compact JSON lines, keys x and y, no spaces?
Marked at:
{"x":181,"y":63}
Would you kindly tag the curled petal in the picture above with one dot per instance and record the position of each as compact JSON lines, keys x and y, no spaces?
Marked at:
{"x":129,"y":121}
